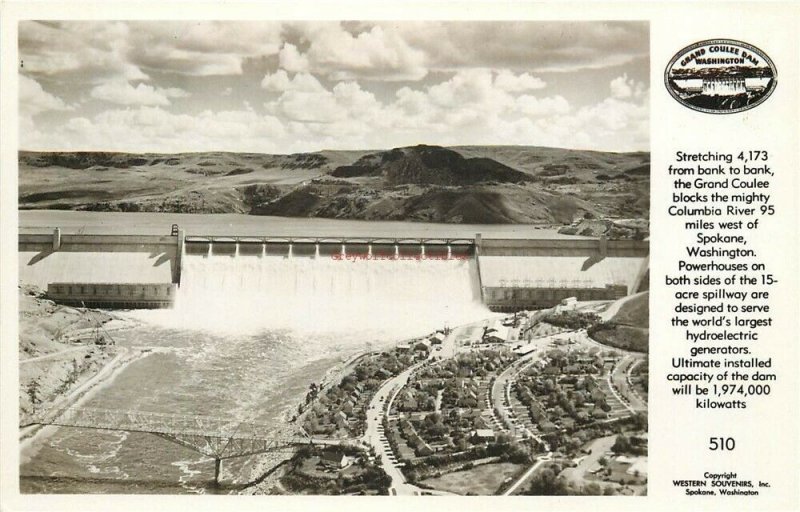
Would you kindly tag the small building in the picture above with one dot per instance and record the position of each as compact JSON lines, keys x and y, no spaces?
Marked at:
{"x":522,"y":350}
{"x":114,"y":295}
{"x":334,"y":460}
{"x":497,"y":333}
{"x":422,"y":346}
{"x":484,"y":434}
{"x":436,"y":338}
{"x":639,"y":467}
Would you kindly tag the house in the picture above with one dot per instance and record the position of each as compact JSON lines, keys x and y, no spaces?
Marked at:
{"x":483,"y":434}
{"x":436,"y":338}
{"x":424,"y":449}
{"x":340,"y":418}
{"x":408,"y":402}
{"x":422,"y":346}
{"x":497,"y":333}
{"x":334,"y":460}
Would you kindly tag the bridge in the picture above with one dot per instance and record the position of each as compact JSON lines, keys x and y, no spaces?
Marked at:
{"x":216,"y":438}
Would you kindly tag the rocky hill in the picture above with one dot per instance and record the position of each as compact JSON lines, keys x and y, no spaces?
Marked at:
{"x":429,"y":165}
{"x":468,"y":184}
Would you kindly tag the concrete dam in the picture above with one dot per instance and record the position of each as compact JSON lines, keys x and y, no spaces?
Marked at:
{"x":189,"y":271}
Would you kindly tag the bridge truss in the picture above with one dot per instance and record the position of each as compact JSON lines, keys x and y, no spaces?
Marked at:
{"x":216,"y":438}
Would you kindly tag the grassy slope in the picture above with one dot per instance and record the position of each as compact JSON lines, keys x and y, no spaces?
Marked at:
{"x":629,"y":328}
{"x":635,"y":312}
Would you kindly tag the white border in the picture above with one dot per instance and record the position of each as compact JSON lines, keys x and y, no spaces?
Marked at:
{"x":673,"y":26}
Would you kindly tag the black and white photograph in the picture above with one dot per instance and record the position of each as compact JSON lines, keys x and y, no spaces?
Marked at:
{"x":394,"y":258}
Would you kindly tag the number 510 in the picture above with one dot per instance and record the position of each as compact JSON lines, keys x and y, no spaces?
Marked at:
{"x":721,"y":443}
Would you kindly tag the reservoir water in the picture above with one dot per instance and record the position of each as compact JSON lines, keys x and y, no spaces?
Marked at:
{"x":145,"y":223}
{"x":247,"y":336}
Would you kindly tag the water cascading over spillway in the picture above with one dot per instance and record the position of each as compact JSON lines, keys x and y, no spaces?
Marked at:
{"x":253,"y":292}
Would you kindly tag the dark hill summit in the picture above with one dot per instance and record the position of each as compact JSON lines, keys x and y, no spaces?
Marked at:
{"x":429,"y":165}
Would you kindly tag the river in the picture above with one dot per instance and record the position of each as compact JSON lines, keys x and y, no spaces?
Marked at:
{"x":258,"y":377}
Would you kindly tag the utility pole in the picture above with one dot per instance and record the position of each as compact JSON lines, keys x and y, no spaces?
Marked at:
{"x":217,"y":468}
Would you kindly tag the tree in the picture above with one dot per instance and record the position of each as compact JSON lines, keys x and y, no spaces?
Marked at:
{"x":33,"y":392}
{"x":622,"y":444}
{"x":546,"y":483}
{"x":593,"y":489}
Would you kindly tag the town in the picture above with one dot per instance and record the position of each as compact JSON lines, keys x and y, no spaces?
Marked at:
{"x":552,"y":402}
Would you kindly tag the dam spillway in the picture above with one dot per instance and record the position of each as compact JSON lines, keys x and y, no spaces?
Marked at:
{"x":132,"y":271}
{"x":324,"y":292}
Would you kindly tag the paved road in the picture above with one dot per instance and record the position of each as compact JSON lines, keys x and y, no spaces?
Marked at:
{"x":598,"y":447}
{"x":56,"y":354}
{"x":632,"y":389}
{"x":380,"y":405}
{"x":375,"y":436}
{"x":621,"y":378}
{"x":524,"y":478}
{"x":507,"y":377}
{"x":609,"y":313}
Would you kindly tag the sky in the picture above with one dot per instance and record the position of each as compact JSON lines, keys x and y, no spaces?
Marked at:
{"x":288,"y":87}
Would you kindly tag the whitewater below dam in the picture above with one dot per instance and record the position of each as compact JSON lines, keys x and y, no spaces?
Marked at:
{"x":246,"y":337}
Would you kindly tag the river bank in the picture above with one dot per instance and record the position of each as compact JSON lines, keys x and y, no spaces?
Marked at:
{"x":60,"y":348}
{"x":66,"y":355}
{"x":267,"y":470}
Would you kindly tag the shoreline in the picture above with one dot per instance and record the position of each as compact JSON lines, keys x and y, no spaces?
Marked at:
{"x":35,"y":433}
{"x":265,"y":474}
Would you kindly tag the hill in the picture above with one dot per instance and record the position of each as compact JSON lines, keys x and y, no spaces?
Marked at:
{"x":629,"y":327}
{"x":466,"y":184}
{"x":429,"y":165}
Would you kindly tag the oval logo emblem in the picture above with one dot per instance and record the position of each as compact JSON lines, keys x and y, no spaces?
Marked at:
{"x":720,"y":76}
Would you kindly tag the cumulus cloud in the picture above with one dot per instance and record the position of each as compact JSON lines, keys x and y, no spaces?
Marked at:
{"x":529,"y":45}
{"x":303,"y":98}
{"x":291,"y":59}
{"x":123,"y":93}
{"x":98,"y":50}
{"x":300,"y":82}
{"x":33,"y":99}
{"x":537,"y":107}
{"x":508,"y":81}
{"x":303,"y":86}
{"x":408,"y":51}
{"x":80,"y":51}
{"x":200,"y":48}
{"x":377,"y":53}
{"x":471,"y":87}
{"x":622,"y":88}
